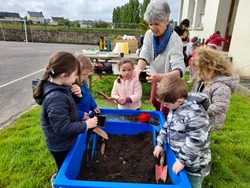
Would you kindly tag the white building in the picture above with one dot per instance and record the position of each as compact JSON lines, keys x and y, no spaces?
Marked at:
{"x":36,"y":17}
{"x":10,"y":15}
{"x":55,"y":20}
{"x":86,"y":23}
{"x":227,"y":16}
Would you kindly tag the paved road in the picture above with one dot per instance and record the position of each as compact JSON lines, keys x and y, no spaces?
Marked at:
{"x":20,"y":63}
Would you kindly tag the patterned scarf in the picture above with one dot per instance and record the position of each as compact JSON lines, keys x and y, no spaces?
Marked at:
{"x":158,"y":48}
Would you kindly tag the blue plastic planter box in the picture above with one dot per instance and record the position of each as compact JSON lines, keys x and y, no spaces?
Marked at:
{"x":72,"y":164}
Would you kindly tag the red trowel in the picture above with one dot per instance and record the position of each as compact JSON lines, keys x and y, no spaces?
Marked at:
{"x":161,"y":170}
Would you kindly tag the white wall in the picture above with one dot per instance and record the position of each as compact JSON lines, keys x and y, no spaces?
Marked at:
{"x":240,"y":42}
{"x":209,"y":20}
{"x":222,"y":18}
{"x":36,"y":19}
{"x":214,"y":19}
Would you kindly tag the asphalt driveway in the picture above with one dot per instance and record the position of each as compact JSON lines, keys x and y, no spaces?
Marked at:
{"x":20,"y":63}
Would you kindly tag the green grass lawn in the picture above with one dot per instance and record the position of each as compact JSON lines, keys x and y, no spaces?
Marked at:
{"x":25,"y":162}
{"x":6,"y":25}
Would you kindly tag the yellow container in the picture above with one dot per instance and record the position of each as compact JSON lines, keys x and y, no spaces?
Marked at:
{"x":121,"y":47}
{"x":124,"y":48}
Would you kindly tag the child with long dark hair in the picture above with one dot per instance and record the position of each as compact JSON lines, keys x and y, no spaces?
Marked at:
{"x":57,"y":94}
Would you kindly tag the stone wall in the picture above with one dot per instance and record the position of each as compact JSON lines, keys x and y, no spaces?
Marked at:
{"x":53,"y":37}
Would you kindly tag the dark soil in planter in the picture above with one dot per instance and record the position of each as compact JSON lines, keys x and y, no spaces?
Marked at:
{"x":132,"y":118}
{"x":127,"y":158}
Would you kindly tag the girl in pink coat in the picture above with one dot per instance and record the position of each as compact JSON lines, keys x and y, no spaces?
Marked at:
{"x":215,"y":40}
{"x":192,"y":74}
{"x":127,"y":89}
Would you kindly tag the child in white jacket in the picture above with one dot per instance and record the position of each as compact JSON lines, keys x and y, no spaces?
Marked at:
{"x":127,"y":89}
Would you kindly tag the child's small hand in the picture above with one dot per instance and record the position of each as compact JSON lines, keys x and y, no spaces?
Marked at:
{"x":121,"y":100}
{"x":158,"y":150}
{"x":76,"y":90}
{"x":177,"y":167}
{"x":86,"y":116}
{"x":97,"y":111}
{"x":92,"y":122}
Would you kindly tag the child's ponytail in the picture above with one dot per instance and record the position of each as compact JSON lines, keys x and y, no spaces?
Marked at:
{"x":59,"y":63}
{"x":38,"y":88}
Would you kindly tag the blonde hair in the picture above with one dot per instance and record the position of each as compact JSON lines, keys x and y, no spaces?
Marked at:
{"x":85,"y":64}
{"x":209,"y":63}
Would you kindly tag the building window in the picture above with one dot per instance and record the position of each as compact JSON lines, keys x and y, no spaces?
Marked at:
{"x":191,"y":8}
{"x":199,"y":12}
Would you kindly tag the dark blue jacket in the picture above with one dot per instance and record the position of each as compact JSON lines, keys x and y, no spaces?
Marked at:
{"x":59,"y":117}
{"x":87,"y":102}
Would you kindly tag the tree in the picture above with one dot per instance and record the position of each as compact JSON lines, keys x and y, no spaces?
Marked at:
{"x":143,"y":24}
{"x":128,"y":13}
{"x":136,"y":11}
{"x":143,"y":9}
{"x":100,"y":24}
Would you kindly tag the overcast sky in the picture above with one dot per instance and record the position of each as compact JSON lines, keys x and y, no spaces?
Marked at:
{"x":74,"y":9}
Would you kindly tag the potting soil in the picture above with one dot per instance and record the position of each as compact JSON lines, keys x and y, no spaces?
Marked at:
{"x":126,"y":158}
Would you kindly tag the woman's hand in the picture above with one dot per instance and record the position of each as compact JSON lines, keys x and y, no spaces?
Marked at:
{"x":154,"y":77}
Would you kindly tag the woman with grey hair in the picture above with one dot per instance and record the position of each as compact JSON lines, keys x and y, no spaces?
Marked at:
{"x":162,"y":48}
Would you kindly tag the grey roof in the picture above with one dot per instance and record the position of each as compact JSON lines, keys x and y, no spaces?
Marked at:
{"x":10,"y":14}
{"x":57,"y":18}
{"x":35,"y":14}
{"x":86,"y":22}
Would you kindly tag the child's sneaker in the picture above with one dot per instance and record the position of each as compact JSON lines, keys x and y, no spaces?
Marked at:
{"x":53,"y":179}
{"x":190,"y":81}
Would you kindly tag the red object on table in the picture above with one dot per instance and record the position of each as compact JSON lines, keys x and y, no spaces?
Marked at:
{"x":144,"y":117}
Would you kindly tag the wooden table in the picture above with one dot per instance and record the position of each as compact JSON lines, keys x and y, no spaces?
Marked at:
{"x":109,"y":57}
{"x":102,"y":57}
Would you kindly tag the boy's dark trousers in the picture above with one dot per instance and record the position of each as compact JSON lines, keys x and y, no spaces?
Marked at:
{"x":59,"y":157}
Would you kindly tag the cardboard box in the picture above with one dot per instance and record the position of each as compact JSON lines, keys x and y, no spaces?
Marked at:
{"x":132,"y":44}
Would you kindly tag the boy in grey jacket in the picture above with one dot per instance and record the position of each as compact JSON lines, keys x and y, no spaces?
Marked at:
{"x":187,"y":130}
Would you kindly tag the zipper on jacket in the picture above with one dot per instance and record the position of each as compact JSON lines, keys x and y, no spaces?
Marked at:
{"x":169,"y":127}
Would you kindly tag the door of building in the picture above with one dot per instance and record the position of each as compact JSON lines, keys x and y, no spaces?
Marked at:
{"x":230,"y":23}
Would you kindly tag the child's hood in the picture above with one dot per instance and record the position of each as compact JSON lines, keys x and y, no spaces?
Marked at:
{"x":215,"y":36}
{"x":198,"y":98}
{"x":49,"y":87}
{"x":231,"y":81}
